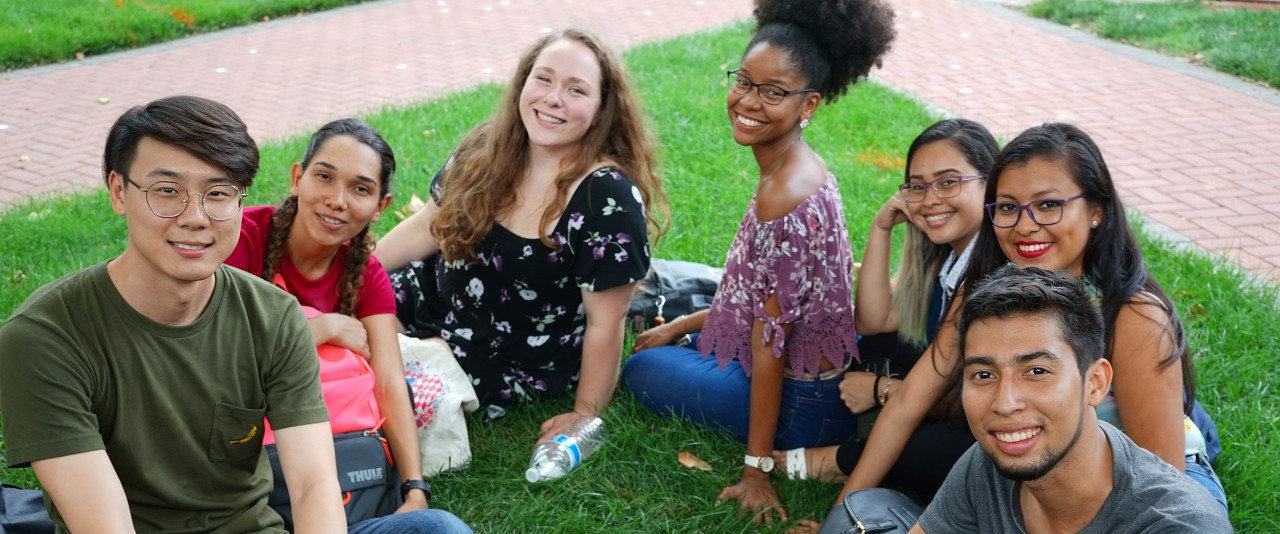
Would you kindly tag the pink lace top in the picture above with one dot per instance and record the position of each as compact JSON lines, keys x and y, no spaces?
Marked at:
{"x":804,"y":258}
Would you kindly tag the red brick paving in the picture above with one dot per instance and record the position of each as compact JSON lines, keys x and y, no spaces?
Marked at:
{"x":293,"y":75}
{"x":1192,"y":155}
{"x":1199,"y":158}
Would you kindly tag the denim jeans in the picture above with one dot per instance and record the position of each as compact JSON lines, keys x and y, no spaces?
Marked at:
{"x":1199,"y":470}
{"x":426,"y":521}
{"x":678,"y":381}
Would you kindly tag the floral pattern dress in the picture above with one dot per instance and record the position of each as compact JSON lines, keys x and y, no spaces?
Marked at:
{"x":805,"y":260}
{"x":515,"y":317}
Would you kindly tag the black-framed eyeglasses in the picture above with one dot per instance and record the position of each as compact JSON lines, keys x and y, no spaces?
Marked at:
{"x":1044,"y":212}
{"x":768,"y":93}
{"x":945,"y":187}
{"x":169,"y":199}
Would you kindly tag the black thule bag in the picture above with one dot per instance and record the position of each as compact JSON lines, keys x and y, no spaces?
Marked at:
{"x":368,"y":479}
{"x":672,"y":289}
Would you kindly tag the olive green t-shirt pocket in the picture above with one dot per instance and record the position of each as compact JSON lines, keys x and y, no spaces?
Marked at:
{"x":236,"y":434}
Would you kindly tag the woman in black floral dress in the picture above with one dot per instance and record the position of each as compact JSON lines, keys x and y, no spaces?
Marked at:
{"x":536,"y":233}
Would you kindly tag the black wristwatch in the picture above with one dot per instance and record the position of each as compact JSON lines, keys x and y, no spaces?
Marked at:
{"x":413,"y":485}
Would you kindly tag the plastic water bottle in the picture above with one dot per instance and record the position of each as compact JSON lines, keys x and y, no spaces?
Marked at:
{"x":557,"y":456}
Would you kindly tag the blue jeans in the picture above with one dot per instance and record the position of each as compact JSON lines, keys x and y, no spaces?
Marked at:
{"x":427,"y":521}
{"x":678,"y":381}
{"x":1199,"y":470}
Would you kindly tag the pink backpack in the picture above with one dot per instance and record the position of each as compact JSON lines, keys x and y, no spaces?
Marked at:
{"x":347,"y":382}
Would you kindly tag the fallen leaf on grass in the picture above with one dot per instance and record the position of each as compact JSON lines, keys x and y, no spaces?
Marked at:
{"x":687,"y":459}
{"x":880,"y":159}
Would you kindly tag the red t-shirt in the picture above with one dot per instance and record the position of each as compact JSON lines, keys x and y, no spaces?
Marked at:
{"x":375,"y":295}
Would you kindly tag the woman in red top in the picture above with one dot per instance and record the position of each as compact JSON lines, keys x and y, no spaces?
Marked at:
{"x":317,"y":245}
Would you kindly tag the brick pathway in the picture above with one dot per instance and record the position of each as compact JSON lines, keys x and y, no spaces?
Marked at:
{"x":1193,"y":155}
{"x":293,"y":75}
{"x":1199,"y":158}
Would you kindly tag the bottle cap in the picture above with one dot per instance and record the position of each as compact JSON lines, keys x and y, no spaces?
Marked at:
{"x":544,"y":470}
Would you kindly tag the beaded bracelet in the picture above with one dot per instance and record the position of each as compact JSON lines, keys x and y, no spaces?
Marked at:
{"x":884,"y":395}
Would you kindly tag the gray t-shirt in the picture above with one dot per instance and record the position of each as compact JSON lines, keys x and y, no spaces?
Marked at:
{"x":1147,"y":496}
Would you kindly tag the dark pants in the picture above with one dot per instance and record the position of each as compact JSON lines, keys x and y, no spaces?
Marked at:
{"x":925,"y":461}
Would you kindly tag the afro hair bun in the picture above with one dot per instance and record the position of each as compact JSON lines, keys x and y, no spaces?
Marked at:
{"x":850,"y":36}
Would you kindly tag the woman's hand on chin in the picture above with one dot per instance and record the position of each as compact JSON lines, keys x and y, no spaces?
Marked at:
{"x":892,"y":213}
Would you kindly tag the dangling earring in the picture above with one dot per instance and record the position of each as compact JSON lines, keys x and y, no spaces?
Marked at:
{"x":804,"y":123}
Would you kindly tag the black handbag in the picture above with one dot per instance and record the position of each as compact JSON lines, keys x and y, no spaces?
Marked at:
{"x":368,"y":480}
{"x":872,"y":511}
{"x":672,"y":289}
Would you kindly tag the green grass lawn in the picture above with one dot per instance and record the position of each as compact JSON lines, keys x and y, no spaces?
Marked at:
{"x":634,"y":484}
{"x":36,"y":32}
{"x":1240,"y":42}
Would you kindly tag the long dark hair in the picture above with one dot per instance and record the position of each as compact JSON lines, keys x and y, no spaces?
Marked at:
{"x":362,"y":244}
{"x":922,"y":259}
{"x":1112,"y":257}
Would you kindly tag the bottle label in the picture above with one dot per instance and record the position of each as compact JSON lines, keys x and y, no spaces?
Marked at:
{"x":570,"y":445}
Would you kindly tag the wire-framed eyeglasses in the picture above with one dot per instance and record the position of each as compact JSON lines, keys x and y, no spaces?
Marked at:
{"x":168,"y":200}
{"x":1044,"y":212}
{"x":945,"y":187}
{"x":768,"y":93}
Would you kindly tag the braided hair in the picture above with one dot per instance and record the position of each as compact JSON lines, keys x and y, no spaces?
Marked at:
{"x":361,"y":246}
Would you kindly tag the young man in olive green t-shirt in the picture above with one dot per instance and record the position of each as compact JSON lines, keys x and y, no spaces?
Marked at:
{"x":137,"y":388}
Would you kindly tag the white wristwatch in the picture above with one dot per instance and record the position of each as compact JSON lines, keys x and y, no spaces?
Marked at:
{"x":763,"y":463}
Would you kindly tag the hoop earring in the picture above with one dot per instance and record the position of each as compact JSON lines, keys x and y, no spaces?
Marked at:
{"x":804,"y":123}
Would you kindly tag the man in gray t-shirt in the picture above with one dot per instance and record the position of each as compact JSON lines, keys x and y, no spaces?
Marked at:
{"x":1031,"y":344}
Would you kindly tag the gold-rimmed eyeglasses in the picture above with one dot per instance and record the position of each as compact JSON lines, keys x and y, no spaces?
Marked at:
{"x":169,"y":199}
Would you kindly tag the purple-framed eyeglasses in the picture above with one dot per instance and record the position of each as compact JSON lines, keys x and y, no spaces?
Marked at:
{"x":945,"y":187}
{"x":1044,"y":212}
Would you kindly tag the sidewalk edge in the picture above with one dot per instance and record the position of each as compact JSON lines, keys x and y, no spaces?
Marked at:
{"x":1227,"y":81}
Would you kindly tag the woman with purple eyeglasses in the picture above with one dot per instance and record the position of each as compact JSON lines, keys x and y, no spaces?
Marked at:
{"x":1051,"y":203}
{"x":940,"y":199}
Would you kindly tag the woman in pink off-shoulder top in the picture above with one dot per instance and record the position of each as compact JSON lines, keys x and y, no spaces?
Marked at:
{"x":781,"y":324}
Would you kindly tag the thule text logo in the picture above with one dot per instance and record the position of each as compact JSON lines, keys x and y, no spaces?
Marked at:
{"x":365,"y":475}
